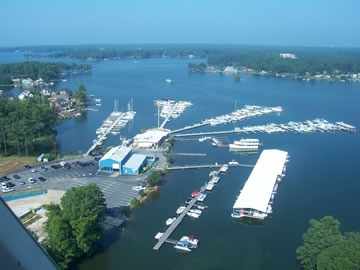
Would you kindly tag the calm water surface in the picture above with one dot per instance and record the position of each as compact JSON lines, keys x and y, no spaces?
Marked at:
{"x":322,"y":176}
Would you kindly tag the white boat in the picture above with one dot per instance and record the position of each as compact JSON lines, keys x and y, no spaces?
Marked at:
{"x":193,"y":215}
{"x":251,"y":214}
{"x":201,"y":207}
{"x":215,"y":179}
{"x":245,"y":145}
{"x":180,"y":209}
{"x":158,"y":235}
{"x":233,"y":162}
{"x":202,"y":197}
{"x":169,"y":81}
{"x":183,"y":245}
{"x":224,"y":168}
{"x":210,"y":186}
{"x":169,"y":221}
{"x":191,"y":239}
{"x":196,"y":211}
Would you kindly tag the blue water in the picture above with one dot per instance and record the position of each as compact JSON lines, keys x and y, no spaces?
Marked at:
{"x":321,"y":178}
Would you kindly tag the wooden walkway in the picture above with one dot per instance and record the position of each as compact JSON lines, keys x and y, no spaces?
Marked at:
{"x":165,"y":237}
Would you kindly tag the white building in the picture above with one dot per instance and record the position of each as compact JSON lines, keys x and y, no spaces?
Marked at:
{"x":151,"y":139}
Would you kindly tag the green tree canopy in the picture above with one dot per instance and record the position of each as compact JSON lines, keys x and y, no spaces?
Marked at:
{"x":154,"y":178}
{"x":80,"y":94}
{"x":324,"y":247}
{"x":74,"y":228}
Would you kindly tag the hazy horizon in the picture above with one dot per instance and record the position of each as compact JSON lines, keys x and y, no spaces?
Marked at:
{"x":260,"y":23}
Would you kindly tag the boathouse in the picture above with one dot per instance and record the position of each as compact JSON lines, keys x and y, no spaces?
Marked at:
{"x":256,"y":197}
{"x":134,"y":165}
{"x":114,"y":159}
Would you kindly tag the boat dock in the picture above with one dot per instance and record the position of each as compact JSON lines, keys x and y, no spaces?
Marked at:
{"x":115,"y":120}
{"x":216,"y":165}
{"x":165,"y":237}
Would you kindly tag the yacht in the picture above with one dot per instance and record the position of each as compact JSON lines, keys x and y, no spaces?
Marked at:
{"x":224,"y":168}
{"x":245,"y":145}
{"x":210,"y":186}
{"x":194,"y":193}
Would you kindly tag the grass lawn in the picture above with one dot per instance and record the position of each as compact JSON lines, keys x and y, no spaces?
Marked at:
{"x":11,"y":163}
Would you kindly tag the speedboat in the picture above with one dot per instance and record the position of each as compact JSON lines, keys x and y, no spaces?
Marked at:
{"x":188,"y":200}
{"x":158,"y":235}
{"x":194,"y":193}
{"x":183,"y":245}
{"x":210,"y":186}
{"x":191,"y":239}
{"x":169,"y":221}
{"x":180,"y":209}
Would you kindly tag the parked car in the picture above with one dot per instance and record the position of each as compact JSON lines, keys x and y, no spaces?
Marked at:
{"x":44,"y":168}
{"x":21,"y":183}
{"x":33,"y":170}
{"x":32,"y":180}
{"x":7,"y":190}
{"x":27,"y":167}
{"x":6,"y":178}
{"x":42,"y":179}
{"x":10,"y":184}
{"x":16,"y":176}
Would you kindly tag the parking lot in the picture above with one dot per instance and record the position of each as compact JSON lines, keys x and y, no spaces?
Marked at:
{"x":74,"y":173}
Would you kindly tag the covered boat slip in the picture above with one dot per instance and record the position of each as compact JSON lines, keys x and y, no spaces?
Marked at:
{"x":257,"y":191}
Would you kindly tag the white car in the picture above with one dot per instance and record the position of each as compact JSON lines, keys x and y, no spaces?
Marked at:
{"x":7,"y":190}
{"x":33,"y":170}
{"x":32,"y":180}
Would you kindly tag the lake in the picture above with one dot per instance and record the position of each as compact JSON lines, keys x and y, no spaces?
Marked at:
{"x":322,"y":177}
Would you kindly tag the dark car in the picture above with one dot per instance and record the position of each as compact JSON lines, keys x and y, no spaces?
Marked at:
{"x":44,"y":168}
{"x":16,"y":176}
{"x":27,"y":167}
{"x":42,"y":179}
{"x":6,"y":178}
{"x":10,"y":184}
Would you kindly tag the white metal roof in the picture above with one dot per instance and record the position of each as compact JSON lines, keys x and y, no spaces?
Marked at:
{"x":117,"y":153}
{"x":135,"y":161}
{"x":151,"y":136}
{"x":258,"y":188}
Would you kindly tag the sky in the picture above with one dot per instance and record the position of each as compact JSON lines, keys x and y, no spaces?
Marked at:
{"x":251,"y":22}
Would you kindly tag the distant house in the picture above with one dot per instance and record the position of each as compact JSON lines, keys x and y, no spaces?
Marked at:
{"x":287,"y":55}
{"x":45,"y":92}
{"x":62,"y":104}
{"x":230,"y":69}
{"x":25,"y":94}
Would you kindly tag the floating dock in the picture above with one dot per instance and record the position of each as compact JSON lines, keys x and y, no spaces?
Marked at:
{"x":255,"y":199}
{"x":165,"y":237}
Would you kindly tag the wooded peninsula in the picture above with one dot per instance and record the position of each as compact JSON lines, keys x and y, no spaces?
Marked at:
{"x":298,"y":62}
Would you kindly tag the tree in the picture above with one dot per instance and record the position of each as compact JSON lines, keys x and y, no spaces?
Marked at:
{"x":321,"y":235}
{"x":74,"y":227}
{"x":154,"y":178}
{"x":80,"y":94}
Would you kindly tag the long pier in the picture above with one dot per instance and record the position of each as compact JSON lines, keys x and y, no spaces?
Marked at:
{"x":206,"y":166}
{"x":173,"y":226}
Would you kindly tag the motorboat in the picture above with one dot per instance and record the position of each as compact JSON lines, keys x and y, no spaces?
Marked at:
{"x":202,"y":197}
{"x":210,"y":186}
{"x":169,"y":221}
{"x":191,"y":239}
{"x":194,"y":193}
{"x":183,"y":245}
{"x":224,"y":168}
{"x":188,"y":200}
{"x":193,"y":214}
{"x":180,"y":209}
{"x":158,"y":235}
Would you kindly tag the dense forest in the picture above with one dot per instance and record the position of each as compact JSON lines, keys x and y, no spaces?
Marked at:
{"x":26,"y":125}
{"x":48,"y":72}
{"x":308,"y":61}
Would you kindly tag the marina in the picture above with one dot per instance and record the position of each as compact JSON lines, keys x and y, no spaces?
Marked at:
{"x":111,"y":125}
{"x":256,"y":197}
